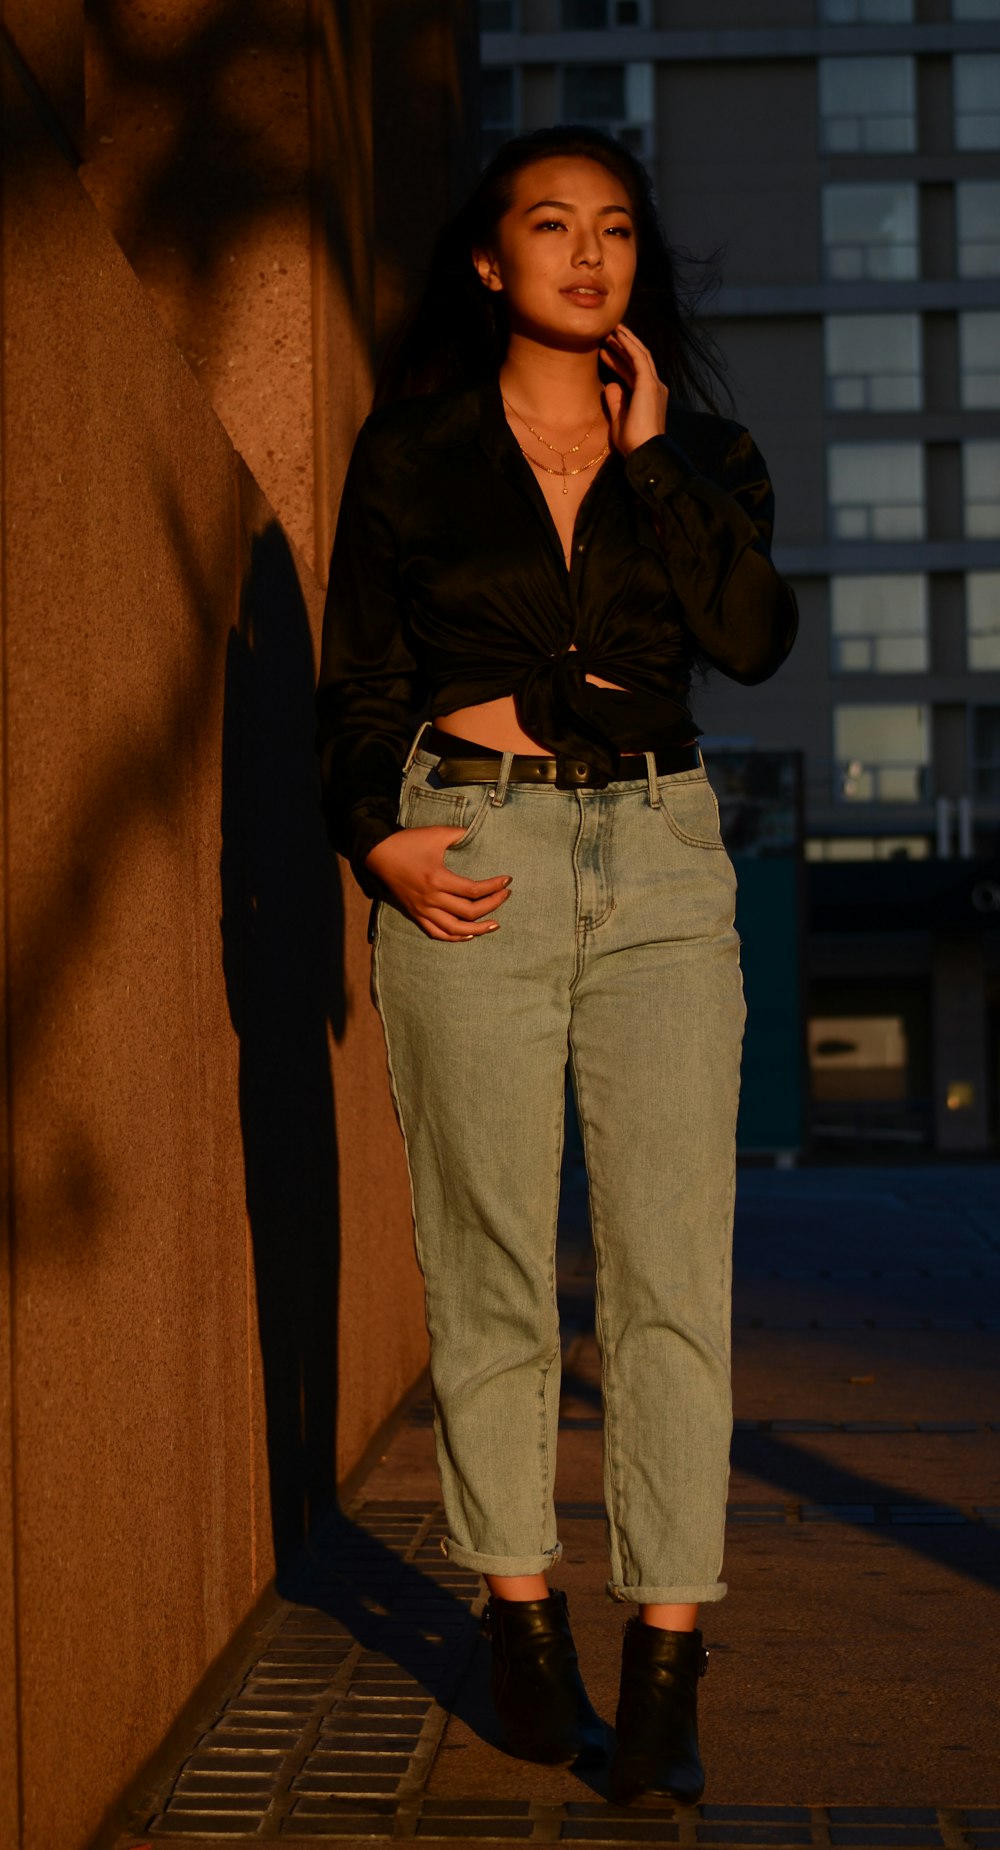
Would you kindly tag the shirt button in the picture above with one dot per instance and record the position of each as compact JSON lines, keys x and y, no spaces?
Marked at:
{"x":581,"y":547}
{"x":651,"y":481}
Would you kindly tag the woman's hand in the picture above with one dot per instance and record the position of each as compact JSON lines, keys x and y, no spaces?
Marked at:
{"x":637,"y":409}
{"x":411,"y":865}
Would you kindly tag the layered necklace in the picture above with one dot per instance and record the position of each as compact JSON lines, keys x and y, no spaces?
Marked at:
{"x":571,"y":449}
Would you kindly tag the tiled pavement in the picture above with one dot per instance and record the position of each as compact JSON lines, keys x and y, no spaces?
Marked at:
{"x":851,"y":1697}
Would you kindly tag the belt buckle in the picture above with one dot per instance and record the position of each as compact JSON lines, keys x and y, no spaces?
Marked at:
{"x":578,"y":774}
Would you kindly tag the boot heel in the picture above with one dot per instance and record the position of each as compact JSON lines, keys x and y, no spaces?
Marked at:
{"x":536,"y":1686}
{"x":657,"y":1719}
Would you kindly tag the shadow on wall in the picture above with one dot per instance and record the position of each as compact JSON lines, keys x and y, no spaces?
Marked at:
{"x":198,"y":132}
{"x":282,"y":938}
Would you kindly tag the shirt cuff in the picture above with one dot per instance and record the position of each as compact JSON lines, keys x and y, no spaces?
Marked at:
{"x":367,"y":836}
{"x":659,"y":467}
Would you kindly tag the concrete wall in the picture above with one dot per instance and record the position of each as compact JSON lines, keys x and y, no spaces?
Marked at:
{"x":210,"y":1300}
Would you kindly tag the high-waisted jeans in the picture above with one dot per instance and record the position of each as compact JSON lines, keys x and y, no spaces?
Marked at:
{"x":616,"y":950}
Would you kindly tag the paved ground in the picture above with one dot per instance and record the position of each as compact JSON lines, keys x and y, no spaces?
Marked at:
{"x":852,"y":1692}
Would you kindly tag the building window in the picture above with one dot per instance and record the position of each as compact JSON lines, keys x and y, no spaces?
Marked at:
{"x":978,"y":204}
{"x":867,"y":106}
{"x":976,"y":81}
{"x":867,"y":848}
{"x":878,"y":624}
{"x":499,"y":108}
{"x":986,"y":754}
{"x":498,"y":15}
{"x":975,"y":9}
{"x":865,"y":12}
{"x":873,"y":363}
{"x":615,"y":97}
{"x":881,"y":753}
{"x":982,"y":620}
{"x":594,"y":93}
{"x":876,"y":491}
{"x":599,"y":15}
{"x":870,"y":232}
{"x":981,"y":490}
{"x":979,"y":352}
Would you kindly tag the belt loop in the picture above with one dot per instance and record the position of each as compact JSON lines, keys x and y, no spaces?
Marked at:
{"x":414,"y":748}
{"x":654,"y":788}
{"x":501,"y":786}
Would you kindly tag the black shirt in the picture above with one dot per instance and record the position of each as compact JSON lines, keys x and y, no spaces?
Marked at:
{"x":448,"y":587}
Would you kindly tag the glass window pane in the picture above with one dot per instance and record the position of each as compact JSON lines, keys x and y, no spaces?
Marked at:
{"x":878,"y":623}
{"x":865,"y":12}
{"x":594,"y":93}
{"x":497,"y":16}
{"x":881,"y":752}
{"x":868,"y":848}
{"x":870,"y":230}
{"x":876,"y":491}
{"x":498,"y":96}
{"x":982,"y":619}
{"x":867,"y":105}
{"x":900,"y":655}
{"x":979,"y":349}
{"x":584,"y":15}
{"x":986,"y":754}
{"x":640,"y":91}
{"x":978,"y":227}
{"x":976,"y":80}
{"x":975,"y":9}
{"x":981,"y":485}
{"x":873,"y":362}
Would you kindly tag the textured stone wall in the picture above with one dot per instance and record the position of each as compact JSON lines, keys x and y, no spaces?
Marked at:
{"x":208,"y":1296}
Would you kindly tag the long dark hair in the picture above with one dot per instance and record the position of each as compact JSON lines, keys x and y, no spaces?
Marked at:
{"x":456,"y":334}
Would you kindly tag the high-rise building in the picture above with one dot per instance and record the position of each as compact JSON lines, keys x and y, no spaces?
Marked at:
{"x":842,"y":158}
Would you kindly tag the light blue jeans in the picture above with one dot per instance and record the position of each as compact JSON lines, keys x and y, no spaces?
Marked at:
{"x":616,"y":950}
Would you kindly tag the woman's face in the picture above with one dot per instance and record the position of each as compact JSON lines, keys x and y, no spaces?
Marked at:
{"x":564,"y":253}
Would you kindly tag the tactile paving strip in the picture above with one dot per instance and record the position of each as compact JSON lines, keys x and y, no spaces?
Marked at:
{"x":335,"y":1724}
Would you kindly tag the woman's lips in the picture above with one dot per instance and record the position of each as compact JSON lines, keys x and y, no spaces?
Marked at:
{"x":585,"y":297}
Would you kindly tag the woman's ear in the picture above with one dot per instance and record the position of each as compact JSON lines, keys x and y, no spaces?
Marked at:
{"x":488,"y":270}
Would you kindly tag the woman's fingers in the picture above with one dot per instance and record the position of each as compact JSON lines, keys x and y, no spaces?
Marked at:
{"x":622,"y":362}
{"x":453,"y":903}
{"x":633,"y":342}
{"x":450,"y":882}
{"x":439,"y":924}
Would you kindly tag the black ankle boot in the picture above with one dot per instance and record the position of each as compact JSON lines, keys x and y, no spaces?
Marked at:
{"x":657,"y":1723}
{"x":536,"y":1685}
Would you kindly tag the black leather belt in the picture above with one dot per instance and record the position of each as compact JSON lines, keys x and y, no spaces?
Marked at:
{"x":465,"y":762}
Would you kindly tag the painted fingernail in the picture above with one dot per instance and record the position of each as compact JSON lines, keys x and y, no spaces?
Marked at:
{"x":493,"y":927}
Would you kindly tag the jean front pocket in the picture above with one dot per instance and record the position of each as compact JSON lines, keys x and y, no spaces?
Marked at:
{"x":428,"y":809}
{"x":690,"y":811}
{"x":478,"y":808}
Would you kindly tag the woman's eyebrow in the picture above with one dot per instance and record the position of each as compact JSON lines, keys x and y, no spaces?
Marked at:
{"x":564,"y":207}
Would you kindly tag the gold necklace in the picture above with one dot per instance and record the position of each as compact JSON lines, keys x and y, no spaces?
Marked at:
{"x":570,"y":450}
{"x":582,"y":470}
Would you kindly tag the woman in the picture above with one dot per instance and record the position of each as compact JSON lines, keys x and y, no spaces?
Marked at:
{"x":539,"y":537}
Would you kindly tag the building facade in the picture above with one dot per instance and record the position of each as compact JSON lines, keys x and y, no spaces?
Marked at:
{"x":840,"y":162}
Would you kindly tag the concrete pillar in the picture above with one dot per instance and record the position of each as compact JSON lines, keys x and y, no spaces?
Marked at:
{"x":209,"y":1299}
{"x":274,"y":174}
{"x":960,"y":1044}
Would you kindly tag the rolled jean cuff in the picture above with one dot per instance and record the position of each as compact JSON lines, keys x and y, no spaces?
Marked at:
{"x":667,"y":1596}
{"x":500,"y":1564}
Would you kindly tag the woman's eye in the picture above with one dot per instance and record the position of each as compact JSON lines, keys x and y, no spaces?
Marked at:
{"x":620,"y":231}
{"x":549,"y":224}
